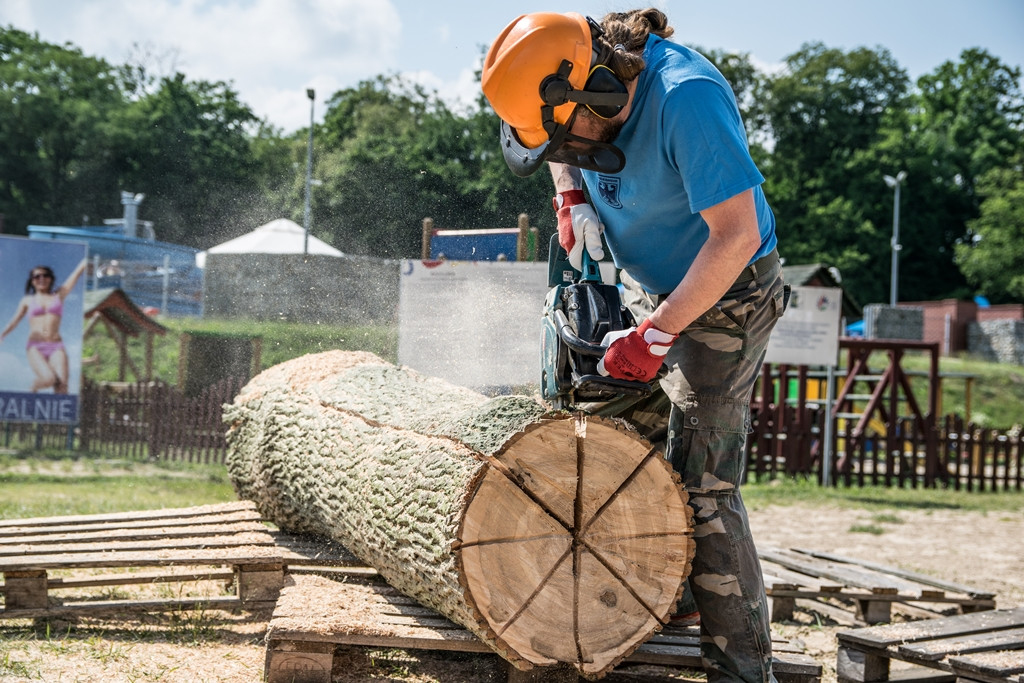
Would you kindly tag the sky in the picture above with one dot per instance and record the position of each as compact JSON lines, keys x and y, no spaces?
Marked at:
{"x":272,"y":51}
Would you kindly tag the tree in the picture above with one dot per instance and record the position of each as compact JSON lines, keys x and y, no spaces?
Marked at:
{"x":822,"y":116}
{"x":397,"y":154}
{"x":967,"y":122}
{"x":991,"y":261}
{"x":54,"y":105}
{"x":188,"y":147}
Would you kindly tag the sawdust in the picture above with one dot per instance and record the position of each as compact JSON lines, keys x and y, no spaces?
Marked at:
{"x":973,"y":548}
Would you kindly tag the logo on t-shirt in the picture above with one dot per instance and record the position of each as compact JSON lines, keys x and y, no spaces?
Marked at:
{"x":608,"y":188}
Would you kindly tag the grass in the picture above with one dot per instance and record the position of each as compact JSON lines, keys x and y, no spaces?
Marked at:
{"x":879,"y":500}
{"x":47,"y":486}
{"x":989,"y":394}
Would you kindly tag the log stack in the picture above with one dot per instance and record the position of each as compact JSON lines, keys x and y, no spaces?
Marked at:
{"x":555,"y":537}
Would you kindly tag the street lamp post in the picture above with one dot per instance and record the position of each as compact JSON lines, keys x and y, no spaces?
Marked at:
{"x":896,"y":246}
{"x":311,"y":94}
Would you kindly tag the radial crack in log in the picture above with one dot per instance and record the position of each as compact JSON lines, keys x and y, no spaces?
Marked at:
{"x":555,"y":538}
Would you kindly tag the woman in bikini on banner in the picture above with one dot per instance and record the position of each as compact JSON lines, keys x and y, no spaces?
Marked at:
{"x":44,"y":306}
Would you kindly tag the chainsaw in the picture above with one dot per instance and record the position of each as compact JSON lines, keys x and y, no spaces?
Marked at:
{"x":579,"y":311}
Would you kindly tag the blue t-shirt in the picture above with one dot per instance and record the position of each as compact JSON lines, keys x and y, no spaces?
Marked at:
{"x":686,"y":150}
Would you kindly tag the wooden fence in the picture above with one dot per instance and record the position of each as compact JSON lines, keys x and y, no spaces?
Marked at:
{"x":150,"y":420}
{"x":789,"y":440}
{"x":156,"y":421}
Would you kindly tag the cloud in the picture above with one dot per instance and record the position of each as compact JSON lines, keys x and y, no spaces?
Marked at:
{"x":270,"y":50}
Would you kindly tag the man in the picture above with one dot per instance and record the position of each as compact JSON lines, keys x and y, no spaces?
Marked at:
{"x":652,"y":130}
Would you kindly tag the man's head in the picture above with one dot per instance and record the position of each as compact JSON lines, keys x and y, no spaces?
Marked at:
{"x":538,"y":72}
{"x":543,"y":66}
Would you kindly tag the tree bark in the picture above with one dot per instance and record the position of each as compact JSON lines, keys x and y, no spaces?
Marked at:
{"x":554,"y":537}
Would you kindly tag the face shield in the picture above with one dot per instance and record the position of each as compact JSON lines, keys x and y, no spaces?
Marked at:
{"x":603,"y":94}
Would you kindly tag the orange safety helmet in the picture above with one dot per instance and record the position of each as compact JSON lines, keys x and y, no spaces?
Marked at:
{"x":535,"y":74}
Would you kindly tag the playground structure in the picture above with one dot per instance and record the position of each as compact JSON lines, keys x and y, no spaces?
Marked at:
{"x":867,"y":425}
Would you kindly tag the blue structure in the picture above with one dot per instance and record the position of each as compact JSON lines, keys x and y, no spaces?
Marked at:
{"x":153,"y":274}
{"x":475,"y":245}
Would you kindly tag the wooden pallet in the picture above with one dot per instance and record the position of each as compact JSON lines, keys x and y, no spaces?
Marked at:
{"x":872,"y":589}
{"x":315,"y":615}
{"x":984,"y":646}
{"x":225,"y":542}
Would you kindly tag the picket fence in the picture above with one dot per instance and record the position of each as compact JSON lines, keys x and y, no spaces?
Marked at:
{"x":157,"y":421}
{"x":151,"y":420}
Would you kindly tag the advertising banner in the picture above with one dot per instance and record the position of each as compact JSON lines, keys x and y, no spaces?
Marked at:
{"x":42,"y":287}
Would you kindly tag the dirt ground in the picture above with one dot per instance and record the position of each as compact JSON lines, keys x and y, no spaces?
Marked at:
{"x":978,"y":549}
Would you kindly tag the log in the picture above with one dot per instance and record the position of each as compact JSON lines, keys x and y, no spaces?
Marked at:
{"x":557,"y":538}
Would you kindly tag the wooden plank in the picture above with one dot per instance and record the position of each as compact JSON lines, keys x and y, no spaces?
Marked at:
{"x":118,"y":607}
{"x":216,"y":508}
{"x":71,"y":550}
{"x":1002,"y":663}
{"x":136,"y":578}
{"x":373,"y":622}
{"x":995,"y":667}
{"x":157,"y":557}
{"x":309,"y":550}
{"x":849,"y":575}
{"x":814,"y":583}
{"x":1004,"y":639}
{"x":950,"y":586}
{"x":10,"y":545}
{"x":230,"y":517}
{"x":881,"y":637}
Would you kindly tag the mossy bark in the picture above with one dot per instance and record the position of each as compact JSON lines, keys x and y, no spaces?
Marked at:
{"x":491,"y":511}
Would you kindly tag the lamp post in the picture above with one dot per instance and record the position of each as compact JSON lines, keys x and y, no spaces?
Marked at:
{"x":896,"y":246}
{"x":311,"y":94}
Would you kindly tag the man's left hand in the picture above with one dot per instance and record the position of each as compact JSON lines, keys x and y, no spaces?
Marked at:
{"x":636,"y":354}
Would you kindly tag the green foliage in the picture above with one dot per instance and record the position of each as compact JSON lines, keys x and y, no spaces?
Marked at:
{"x":54,"y":102}
{"x":988,"y":394}
{"x":76,"y":129}
{"x":992,"y":260}
{"x":395,"y":154}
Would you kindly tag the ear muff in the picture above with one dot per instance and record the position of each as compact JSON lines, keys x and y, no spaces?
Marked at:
{"x":604,"y":94}
{"x":604,"y":81}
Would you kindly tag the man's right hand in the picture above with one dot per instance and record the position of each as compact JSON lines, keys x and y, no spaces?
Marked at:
{"x":578,"y":227}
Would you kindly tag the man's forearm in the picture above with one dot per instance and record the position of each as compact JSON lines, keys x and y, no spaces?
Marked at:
{"x":566,"y":177}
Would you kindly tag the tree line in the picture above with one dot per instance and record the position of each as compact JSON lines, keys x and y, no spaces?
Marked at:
{"x":75,"y":130}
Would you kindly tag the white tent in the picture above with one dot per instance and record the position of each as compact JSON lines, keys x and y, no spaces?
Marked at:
{"x":281,"y":236}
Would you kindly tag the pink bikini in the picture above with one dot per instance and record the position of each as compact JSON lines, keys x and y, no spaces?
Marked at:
{"x":46,"y":348}
{"x":56,"y":308}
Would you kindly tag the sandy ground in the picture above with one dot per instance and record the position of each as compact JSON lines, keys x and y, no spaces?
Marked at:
{"x":981,"y":550}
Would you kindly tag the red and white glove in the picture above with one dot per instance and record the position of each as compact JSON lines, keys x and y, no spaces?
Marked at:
{"x":578,"y":226}
{"x":635,"y":354}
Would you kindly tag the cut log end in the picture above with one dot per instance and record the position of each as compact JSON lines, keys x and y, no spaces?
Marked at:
{"x":575,"y":543}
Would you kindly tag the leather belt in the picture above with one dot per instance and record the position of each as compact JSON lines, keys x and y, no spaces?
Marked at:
{"x":758,"y":267}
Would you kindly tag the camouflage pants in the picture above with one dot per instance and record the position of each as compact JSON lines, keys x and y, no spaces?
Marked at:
{"x":711,"y":373}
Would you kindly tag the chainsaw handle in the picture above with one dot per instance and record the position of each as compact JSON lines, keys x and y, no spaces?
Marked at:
{"x":572,"y":340}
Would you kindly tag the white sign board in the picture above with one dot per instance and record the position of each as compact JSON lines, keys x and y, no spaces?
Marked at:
{"x":808,"y":333}
{"x":472,"y":323}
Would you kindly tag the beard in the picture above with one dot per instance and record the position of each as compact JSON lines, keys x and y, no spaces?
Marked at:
{"x":607,"y":129}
